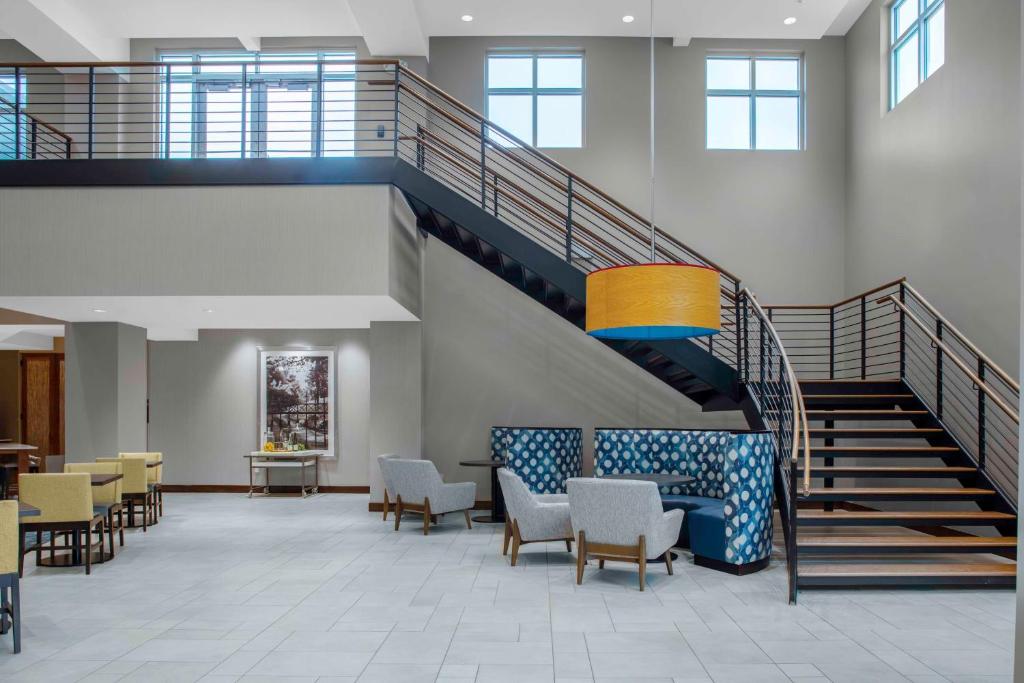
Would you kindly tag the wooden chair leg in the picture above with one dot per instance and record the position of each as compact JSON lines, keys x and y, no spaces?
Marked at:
{"x":145,"y":513}
{"x":469,"y":524}
{"x":120,"y":524}
{"x":517,"y":541}
{"x":386,"y":505}
{"x":568,"y":545}
{"x":398,"y":512}
{"x":581,"y":557}
{"x":88,"y":549}
{"x":110,"y":531}
{"x":643,"y":561}
{"x":160,"y":500}
{"x":508,"y":537}
{"x":668,"y":561}
{"x":21,"y":552}
{"x":600,"y":564}
{"x":426,"y":516}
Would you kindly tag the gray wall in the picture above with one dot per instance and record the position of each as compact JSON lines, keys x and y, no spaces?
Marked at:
{"x":773,"y":218}
{"x":204,"y":403}
{"x":934,"y":185}
{"x":105,"y":390}
{"x":195,"y":240}
{"x":494,"y":356}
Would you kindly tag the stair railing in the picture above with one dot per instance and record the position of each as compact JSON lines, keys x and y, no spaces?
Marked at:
{"x":774,"y":390}
{"x":27,"y":136}
{"x":893,"y":332}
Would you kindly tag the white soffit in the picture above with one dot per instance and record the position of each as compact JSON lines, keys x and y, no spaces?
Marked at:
{"x":180,"y":317}
{"x":29,"y":337}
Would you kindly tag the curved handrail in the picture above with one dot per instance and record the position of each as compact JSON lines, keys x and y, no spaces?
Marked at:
{"x":800,"y":427}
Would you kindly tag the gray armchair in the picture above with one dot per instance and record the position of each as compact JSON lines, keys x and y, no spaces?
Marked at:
{"x":532,"y":518}
{"x":418,"y":487}
{"x":621,"y":521}
{"x":388,"y":485}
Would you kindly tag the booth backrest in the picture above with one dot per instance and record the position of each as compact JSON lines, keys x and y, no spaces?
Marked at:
{"x":698,"y":453}
{"x":499,"y":443}
{"x":748,"y":492}
{"x":543,"y":457}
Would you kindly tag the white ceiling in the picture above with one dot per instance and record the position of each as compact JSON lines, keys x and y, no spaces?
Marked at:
{"x":64,"y":28}
{"x":181,"y":317}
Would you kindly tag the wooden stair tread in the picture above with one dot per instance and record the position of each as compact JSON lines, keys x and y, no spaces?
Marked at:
{"x":910,"y":516}
{"x":874,"y":430}
{"x":908,"y":541}
{"x":924,"y":570}
{"x":868,"y":469}
{"x":900,"y":396}
{"x":866,"y":412}
{"x":937,"y":449}
{"x":902,"y":491}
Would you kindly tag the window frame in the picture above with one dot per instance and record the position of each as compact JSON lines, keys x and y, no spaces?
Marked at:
{"x":926,"y":9}
{"x":256,"y":83}
{"x":752,"y":94}
{"x":535,"y":91}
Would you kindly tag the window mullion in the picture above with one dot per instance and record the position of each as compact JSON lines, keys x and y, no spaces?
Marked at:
{"x":753,"y":105}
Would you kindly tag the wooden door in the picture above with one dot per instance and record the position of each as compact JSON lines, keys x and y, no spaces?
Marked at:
{"x":42,"y":403}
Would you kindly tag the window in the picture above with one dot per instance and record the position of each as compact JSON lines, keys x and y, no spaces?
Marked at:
{"x":202,"y":104}
{"x":537,"y":97}
{"x":754,"y":102}
{"x":8,"y":94}
{"x":917,"y":44}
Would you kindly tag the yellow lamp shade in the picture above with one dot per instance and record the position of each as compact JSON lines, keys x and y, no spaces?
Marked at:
{"x":653,"y":301}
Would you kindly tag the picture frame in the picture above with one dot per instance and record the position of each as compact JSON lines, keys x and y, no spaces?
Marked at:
{"x":297,"y":397}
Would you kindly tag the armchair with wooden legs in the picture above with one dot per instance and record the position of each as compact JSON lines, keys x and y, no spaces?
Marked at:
{"x":106,"y":499}
{"x":389,"y":486}
{"x":621,"y":521}
{"x":532,"y":518}
{"x":418,"y":488}
{"x":10,"y":598}
{"x":65,"y":508}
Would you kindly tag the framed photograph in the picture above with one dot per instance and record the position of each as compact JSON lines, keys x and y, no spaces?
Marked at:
{"x":297,"y":399}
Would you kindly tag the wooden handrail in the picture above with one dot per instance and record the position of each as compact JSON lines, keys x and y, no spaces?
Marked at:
{"x":989,"y":363}
{"x":49,"y":126}
{"x":549,"y":161}
{"x":940,"y":345}
{"x":818,"y":307}
{"x":86,"y":65}
{"x":800,"y":427}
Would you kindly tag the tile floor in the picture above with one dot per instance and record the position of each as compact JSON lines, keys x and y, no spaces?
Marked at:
{"x":231,"y":589}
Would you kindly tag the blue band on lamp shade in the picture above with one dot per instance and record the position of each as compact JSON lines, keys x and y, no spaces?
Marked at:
{"x":653,"y":332}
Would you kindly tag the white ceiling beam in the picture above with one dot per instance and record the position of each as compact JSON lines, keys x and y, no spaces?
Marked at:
{"x":391,"y":28}
{"x":251,"y":43}
{"x":59,"y":31}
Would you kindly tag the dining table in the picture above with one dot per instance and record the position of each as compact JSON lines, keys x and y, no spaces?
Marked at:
{"x":17,"y":452}
{"x":497,"y":515}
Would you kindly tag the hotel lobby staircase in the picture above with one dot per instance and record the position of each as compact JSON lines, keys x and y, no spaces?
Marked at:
{"x":896,"y":437}
{"x":909,"y":468}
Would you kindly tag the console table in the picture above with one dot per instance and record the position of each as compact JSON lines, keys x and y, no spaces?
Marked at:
{"x":301,"y":460}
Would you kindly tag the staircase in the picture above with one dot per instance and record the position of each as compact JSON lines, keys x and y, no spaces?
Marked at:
{"x":896,"y":437}
{"x":908,"y":477}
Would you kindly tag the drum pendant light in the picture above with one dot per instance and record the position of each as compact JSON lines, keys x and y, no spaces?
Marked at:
{"x":652,"y":301}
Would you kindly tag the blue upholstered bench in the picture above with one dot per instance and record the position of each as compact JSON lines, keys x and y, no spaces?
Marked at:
{"x":543,"y":457}
{"x":728,"y":504}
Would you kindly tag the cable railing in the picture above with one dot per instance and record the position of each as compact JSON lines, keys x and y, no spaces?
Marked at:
{"x":893,"y":332}
{"x":775,"y":391}
{"x":359,"y":108}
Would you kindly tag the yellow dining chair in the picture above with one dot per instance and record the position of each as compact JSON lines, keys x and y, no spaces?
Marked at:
{"x":134,"y":487}
{"x":154,"y":477}
{"x":65,"y":507}
{"x":10,"y":601}
{"x":106,"y":499}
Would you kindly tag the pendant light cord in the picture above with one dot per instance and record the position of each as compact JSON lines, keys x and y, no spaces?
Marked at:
{"x":653,"y":247}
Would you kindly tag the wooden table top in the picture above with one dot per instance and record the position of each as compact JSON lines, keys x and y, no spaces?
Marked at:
{"x":104,"y":479}
{"x":26,"y":510}
{"x":7,"y":448}
{"x":661,"y":479}
{"x":155,"y":463}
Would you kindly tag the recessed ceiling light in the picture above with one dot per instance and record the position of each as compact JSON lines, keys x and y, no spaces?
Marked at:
{"x":467,"y":17}
{"x":628,"y":19}
{"x":789,"y":21}
{"x":99,"y":310}
{"x":207,"y":310}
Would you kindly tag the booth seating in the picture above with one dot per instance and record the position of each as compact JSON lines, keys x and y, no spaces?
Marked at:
{"x":543,"y":457}
{"x":728,"y":505}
